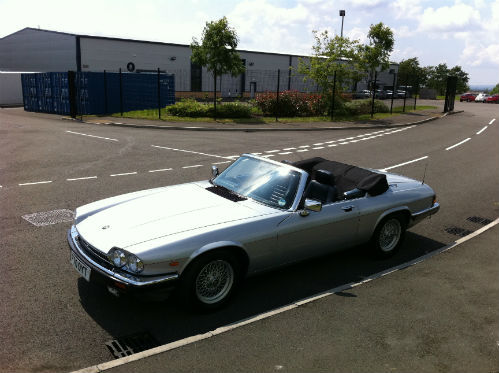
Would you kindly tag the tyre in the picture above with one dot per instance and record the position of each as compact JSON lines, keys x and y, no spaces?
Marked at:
{"x":389,"y":236}
{"x":209,"y":281}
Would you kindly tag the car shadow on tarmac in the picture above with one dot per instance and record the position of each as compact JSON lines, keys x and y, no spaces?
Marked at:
{"x":168,"y":321}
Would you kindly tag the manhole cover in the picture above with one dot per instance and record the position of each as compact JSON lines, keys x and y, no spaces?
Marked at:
{"x":461,"y":232}
{"x":479,"y":220}
{"x":40,"y":219}
{"x":131,"y":344}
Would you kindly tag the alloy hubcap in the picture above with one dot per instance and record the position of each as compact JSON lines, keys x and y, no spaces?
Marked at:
{"x":390,"y":235}
{"x":214,"y":281}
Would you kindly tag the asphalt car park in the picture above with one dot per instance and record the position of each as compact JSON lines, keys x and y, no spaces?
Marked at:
{"x":53,"y":320}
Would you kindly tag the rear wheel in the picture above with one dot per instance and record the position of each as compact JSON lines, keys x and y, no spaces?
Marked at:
{"x":389,"y":236}
{"x":208,"y":283}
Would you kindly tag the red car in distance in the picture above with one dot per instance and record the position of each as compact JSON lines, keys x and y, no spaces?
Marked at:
{"x":493,"y":99}
{"x":468,"y":97}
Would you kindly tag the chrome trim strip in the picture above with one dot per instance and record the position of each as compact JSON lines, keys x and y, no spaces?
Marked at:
{"x":135,"y":281}
{"x":426,"y":212}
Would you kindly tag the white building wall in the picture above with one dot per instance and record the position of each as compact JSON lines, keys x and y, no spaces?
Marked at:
{"x":37,"y":50}
{"x":11,"y":92}
{"x":112,"y":54}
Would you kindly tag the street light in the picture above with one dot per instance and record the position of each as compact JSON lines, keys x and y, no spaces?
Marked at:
{"x":342,"y":15}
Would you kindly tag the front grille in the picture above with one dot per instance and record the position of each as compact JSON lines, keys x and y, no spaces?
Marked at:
{"x":97,"y":255}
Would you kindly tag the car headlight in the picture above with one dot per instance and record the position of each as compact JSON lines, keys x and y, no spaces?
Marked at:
{"x":125,"y":260}
{"x":117,"y":257}
{"x":134,"y":264}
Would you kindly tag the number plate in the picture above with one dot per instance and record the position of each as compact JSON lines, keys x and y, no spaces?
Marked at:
{"x":80,"y":267}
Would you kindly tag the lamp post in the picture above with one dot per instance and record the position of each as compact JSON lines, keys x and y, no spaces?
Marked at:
{"x":342,"y":15}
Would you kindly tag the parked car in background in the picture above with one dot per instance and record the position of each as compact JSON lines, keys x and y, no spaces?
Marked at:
{"x":482,"y":97}
{"x":380,"y":94}
{"x":401,"y":94}
{"x":468,"y":97}
{"x":493,"y":99}
{"x":362,"y":94}
{"x":204,"y":237}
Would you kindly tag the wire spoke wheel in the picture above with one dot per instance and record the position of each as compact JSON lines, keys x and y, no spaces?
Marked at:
{"x":214,"y":281}
{"x":389,"y":235}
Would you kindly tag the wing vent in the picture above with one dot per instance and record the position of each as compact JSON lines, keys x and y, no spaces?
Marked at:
{"x":226,"y":193}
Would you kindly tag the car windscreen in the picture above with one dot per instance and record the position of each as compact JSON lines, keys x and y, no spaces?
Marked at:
{"x":265,"y":182}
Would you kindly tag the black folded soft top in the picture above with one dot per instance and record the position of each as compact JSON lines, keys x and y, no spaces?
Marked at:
{"x":346,"y":177}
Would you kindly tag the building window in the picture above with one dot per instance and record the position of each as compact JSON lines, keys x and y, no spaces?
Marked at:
{"x":196,"y":75}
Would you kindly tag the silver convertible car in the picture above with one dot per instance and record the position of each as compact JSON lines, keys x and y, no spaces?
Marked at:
{"x":204,"y":237}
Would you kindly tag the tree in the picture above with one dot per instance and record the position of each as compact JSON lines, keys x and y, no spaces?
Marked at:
{"x":462,"y":79}
{"x":437,"y":78}
{"x":377,"y":53}
{"x":410,"y":68}
{"x":337,"y":55}
{"x":217,"y":52}
{"x":495,"y":89}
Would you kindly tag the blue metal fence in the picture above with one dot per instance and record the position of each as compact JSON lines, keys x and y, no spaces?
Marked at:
{"x":97,"y":93}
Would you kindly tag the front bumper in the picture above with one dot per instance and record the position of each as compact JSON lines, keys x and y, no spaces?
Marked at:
{"x":120,"y":281}
{"x":418,"y":216}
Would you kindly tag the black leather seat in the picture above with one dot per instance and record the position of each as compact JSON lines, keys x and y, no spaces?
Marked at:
{"x":322,"y":188}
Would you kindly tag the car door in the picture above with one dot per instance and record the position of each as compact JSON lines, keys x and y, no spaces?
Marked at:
{"x":333,"y":228}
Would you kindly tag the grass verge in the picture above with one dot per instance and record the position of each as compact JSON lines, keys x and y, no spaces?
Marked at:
{"x":152,"y":114}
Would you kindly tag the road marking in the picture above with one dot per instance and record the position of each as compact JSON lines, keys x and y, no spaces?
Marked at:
{"x":191,"y":151}
{"x":459,"y":143}
{"x":291,"y":306}
{"x":344,"y":143}
{"x":196,"y":165}
{"x":302,"y":150}
{"x":403,"y":164}
{"x":492,"y":121}
{"x":222,"y":162}
{"x":98,"y":137}
{"x":257,"y":153}
{"x":285,"y":153}
{"x":304,"y":146}
{"x":36,"y":182}
{"x":319,"y":144}
{"x":125,"y":173}
{"x":318,"y":147}
{"x":82,"y":178}
{"x":289,"y":149}
{"x":331,"y":145}
{"x":272,"y":151}
{"x":483,"y":129}
{"x":161,"y":170}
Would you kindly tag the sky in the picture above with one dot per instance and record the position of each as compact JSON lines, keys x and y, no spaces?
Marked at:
{"x":456,"y":32}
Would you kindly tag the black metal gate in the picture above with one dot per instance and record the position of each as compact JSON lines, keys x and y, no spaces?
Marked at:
{"x":450,"y":93}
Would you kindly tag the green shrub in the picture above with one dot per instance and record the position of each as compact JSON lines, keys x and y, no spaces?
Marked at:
{"x":194,"y":109}
{"x":359,"y":107}
{"x":291,"y":104}
{"x":188,"y":108}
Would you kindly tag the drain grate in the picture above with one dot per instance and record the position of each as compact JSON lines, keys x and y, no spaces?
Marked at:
{"x":40,"y":219}
{"x":131,"y":344}
{"x":479,"y":220}
{"x":461,"y":232}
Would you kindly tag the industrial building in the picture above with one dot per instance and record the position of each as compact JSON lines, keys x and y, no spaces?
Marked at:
{"x":37,"y":50}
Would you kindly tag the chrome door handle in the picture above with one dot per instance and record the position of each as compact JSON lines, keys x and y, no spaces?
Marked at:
{"x":347,"y":208}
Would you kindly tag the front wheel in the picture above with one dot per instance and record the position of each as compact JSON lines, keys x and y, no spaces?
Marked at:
{"x":210,"y":280}
{"x":388,"y":236}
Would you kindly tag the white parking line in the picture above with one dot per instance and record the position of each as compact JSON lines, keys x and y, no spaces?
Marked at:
{"x":403,"y":164}
{"x":492,"y":121}
{"x":189,"y":151}
{"x":285,"y":153}
{"x":318,"y":147}
{"x":222,"y":162}
{"x":289,"y":149}
{"x":98,"y":137}
{"x":193,"y":166}
{"x":125,"y":174}
{"x":82,"y":178}
{"x":161,"y":170}
{"x":483,"y":129}
{"x":272,"y":151}
{"x":459,"y":143}
{"x":36,"y":182}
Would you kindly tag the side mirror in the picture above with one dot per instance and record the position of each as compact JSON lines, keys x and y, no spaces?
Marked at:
{"x":214,"y":171}
{"x":311,"y":205}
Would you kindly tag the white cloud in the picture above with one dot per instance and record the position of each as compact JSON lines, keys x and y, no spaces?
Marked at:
{"x":449,"y":19}
{"x":407,"y":9}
